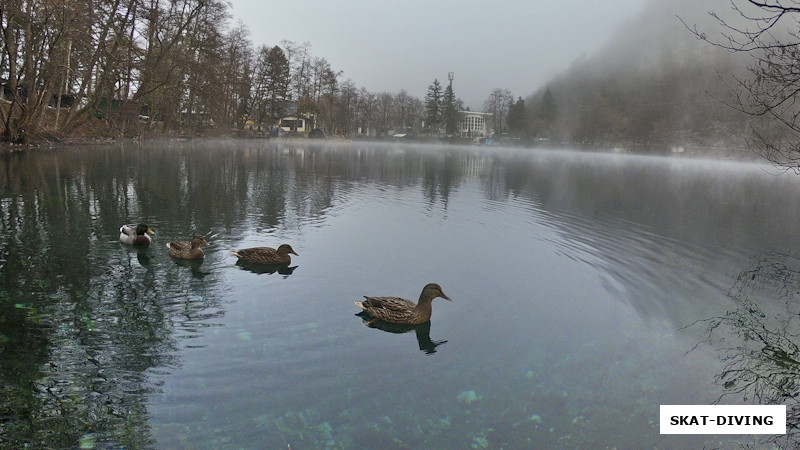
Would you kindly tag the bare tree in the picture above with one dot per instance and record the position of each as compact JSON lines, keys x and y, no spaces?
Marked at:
{"x":366,"y":112}
{"x":34,"y":49}
{"x":259,"y":105}
{"x":236,"y":64}
{"x":299,"y":56}
{"x":270,"y":89}
{"x":346,"y":108}
{"x":767,"y":30}
{"x":325,"y":83}
{"x":757,"y":341}
{"x":385,"y":103}
{"x":498,"y":103}
{"x":183,"y":79}
{"x":416,"y":113}
{"x":402,"y":104}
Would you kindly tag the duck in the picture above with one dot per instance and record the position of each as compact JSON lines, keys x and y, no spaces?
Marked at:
{"x":266,"y":255}
{"x":402,"y":311}
{"x":135,"y":234}
{"x":186,"y":249}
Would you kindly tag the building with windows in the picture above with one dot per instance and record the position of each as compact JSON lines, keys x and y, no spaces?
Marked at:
{"x":475,"y":124}
{"x":297,"y":124}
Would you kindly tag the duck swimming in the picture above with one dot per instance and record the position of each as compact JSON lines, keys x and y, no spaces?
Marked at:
{"x":135,"y":234}
{"x":403,"y":311}
{"x":266,"y":255}
{"x":186,"y":249}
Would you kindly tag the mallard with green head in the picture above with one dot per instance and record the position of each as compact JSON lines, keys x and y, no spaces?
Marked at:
{"x":188,"y":249}
{"x":400,"y":310}
{"x":135,"y":234}
{"x":266,"y":255}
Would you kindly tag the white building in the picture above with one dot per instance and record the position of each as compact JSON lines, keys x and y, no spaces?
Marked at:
{"x":475,"y":124}
{"x":297,"y":124}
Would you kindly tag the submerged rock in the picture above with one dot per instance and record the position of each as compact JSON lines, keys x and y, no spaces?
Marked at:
{"x":479,"y":441}
{"x":467,"y":397}
{"x":87,"y":441}
{"x":535,"y":418}
{"x":325,"y":429}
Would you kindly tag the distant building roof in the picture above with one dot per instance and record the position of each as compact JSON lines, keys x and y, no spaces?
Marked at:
{"x":477,"y":113}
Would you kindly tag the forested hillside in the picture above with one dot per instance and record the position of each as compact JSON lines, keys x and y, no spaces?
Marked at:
{"x":655,"y":86}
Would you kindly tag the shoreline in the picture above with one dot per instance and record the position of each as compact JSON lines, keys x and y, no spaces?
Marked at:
{"x":691,"y":151}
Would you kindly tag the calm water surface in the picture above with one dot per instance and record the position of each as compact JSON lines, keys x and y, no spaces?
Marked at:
{"x":577,"y":282}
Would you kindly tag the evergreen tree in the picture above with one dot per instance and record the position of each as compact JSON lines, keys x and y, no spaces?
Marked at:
{"x":548,"y":111}
{"x":450,"y":111}
{"x":518,"y":118}
{"x":433,"y":106}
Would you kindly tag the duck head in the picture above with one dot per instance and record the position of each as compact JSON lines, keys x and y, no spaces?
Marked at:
{"x":141,"y":229}
{"x":432,"y":291}
{"x":286,"y":249}
{"x":198,"y":240}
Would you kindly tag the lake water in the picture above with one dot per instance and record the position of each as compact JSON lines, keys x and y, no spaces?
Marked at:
{"x":577,"y":280}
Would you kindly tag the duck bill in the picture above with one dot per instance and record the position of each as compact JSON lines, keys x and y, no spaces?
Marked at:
{"x":150,"y":232}
{"x":293,"y":252}
{"x":446,"y":298}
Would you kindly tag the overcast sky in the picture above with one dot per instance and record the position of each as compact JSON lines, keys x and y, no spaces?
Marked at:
{"x":388,"y":45}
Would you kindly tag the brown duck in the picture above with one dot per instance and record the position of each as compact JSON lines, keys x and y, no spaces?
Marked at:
{"x":186,"y":249}
{"x":400,"y":310}
{"x":266,"y":255}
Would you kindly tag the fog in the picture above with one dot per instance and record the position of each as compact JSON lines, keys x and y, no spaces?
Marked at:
{"x":654,"y":85}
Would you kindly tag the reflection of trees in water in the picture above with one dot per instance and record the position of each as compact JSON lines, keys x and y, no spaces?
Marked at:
{"x":83,"y":319}
{"x":758,"y":341}
{"x":80,"y":320}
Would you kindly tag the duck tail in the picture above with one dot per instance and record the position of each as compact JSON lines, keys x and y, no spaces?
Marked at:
{"x":361,"y":305}
{"x":237,"y":254}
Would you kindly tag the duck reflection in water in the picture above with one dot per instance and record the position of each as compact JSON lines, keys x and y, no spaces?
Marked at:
{"x":281,"y":269}
{"x":193,"y":265}
{"x":143,"y":257}
{"x":423,"y":331}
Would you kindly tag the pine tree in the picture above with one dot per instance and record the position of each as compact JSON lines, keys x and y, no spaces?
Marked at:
{"x":450,"y":111}
{"x":518,"y":118}
{"x":433,"y":106}
{"x":548,"y":110}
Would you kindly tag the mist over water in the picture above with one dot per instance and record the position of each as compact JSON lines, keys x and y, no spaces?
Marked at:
{"x":573,"y":276}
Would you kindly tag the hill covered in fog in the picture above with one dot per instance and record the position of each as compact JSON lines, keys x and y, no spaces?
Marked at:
{"x":652,"y":88}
